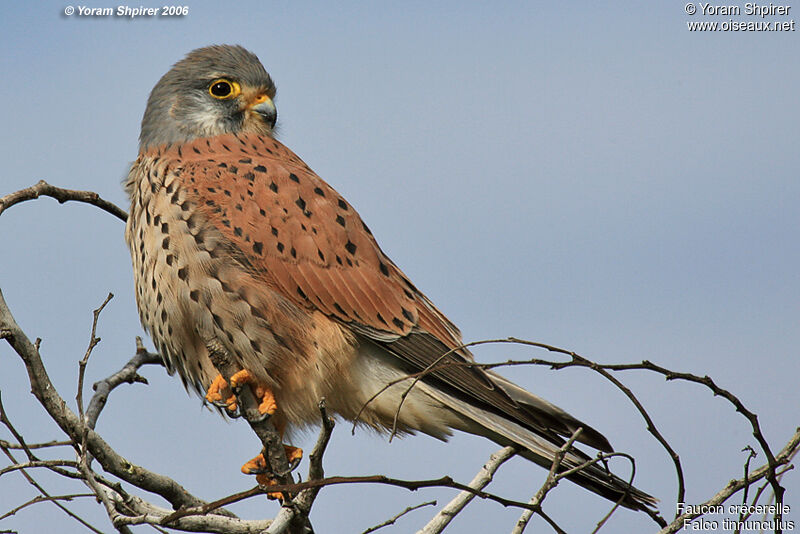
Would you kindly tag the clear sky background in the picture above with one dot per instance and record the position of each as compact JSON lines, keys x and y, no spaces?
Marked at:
{"x":591,"y":176}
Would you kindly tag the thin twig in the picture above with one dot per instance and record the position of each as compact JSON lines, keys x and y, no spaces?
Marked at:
{"x":93,"y":341}
{"x":42,"y":498}
{"x":128,"y":374}
{"x":39,"y":463}
{"x":42,"y":188}
{"x":53,"y":443}
{"x":550,"y":482}
{"x":392,"y":520}
{"x":411,"y":485}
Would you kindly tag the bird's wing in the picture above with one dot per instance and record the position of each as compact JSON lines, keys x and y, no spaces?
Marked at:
{"x":307,"y":242}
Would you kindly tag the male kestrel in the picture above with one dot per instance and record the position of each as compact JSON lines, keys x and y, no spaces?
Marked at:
{"x":238,"y":246}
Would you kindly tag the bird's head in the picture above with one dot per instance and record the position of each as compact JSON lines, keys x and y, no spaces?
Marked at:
{"x":214,"y":90}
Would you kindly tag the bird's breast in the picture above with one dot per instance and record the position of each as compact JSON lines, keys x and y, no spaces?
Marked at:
{"x":193,"y":287}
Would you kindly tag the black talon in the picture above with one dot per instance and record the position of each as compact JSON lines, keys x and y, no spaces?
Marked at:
{"x":263,"y":471}
{"x":293,"y":465}
{"x":254,"y":416}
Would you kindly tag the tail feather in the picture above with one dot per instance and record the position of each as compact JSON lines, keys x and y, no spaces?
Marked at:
{"x":540,"y":449}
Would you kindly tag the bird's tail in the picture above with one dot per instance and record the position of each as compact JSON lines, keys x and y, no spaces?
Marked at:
{"x":541,"y":445}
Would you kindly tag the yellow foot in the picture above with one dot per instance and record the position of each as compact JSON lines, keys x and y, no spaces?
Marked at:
{"x":266,"y":399}
{"x":258,"y":466}
{"x":293,"y":454}
{"x":220,"y":394}
{"x":264,"y":480}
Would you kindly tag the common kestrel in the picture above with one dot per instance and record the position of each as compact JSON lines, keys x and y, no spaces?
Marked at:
{"x":238,"y":246}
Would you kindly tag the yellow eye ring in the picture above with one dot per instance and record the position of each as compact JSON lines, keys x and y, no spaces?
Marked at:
{"x":224,"y":89}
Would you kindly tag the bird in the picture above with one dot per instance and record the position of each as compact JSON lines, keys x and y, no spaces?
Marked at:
{"x":238,"y":246}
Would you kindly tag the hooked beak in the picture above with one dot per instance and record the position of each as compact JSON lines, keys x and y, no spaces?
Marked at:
{"x":264,"y":106}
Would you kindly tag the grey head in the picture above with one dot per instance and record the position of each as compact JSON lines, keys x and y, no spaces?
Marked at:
{"x":213,"y":90}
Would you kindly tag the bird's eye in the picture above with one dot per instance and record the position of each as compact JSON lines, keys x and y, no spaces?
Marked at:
{"x":223,"y":89}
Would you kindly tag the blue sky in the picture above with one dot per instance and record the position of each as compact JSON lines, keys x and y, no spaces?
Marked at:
{"x":594,"y":177}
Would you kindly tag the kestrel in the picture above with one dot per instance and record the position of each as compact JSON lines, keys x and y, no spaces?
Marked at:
{"x":238,"y":246}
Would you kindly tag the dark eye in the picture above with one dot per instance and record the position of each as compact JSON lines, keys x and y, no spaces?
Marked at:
{"x":223,"y":89}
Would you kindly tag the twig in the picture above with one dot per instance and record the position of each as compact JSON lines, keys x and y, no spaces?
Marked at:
{"x":305,"y":499}
{"x":440,"y":521}
{"x":411,"y":485}
{"x":735,"y":485}
{"x":550,"y":482}
{"x":93,"y":341}
{"x":393,"y":519}
{"x":42,"y":498}
{"x":751,"y":453}
{"x":42,"y":188}
{"x":141,"y":512}
{"x":128,"y":374}
{"x":54,"y":443}
{"x":39,"y":463}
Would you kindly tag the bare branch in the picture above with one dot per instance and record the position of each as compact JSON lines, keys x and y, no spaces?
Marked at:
{"x":550,"y":482}
{"x":393,"y":519}
{"x":440,"y":521}
{"x":141,"y":512}
{"x":54,"y":443}
{"x":42,"y":188}
{"x":128,"y":374}
{"x":93,"y":341}
{"x":42,"y":498}
{"x":411,"y":485}
{"x":39,"y":463}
